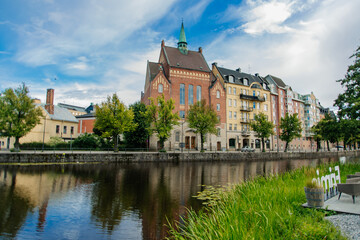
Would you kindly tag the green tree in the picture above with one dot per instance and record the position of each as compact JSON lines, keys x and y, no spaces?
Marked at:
{"x":349,"y":101}
{"x":262,"y":127}
{"x":18,"y":113}
{"x":290,"y":127}
{"x":318,"y":131}
{"x":113,"y":119}
{"x":350,"y":130}
{"x":203,"y":119}
{"x":139,"y":136}
{"x":162,"y":118}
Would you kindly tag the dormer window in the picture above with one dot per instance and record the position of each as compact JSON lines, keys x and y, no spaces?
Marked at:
{"x":246,"y":82}
{"x":231,"y":79}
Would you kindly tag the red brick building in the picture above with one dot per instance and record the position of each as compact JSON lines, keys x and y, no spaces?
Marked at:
{"x":185,"y":76}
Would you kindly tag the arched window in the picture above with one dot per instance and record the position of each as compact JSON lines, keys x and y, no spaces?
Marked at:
{"x":160,"y":88}
{"x":217,"y":94}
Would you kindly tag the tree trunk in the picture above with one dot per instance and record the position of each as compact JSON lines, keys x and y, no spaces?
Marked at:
{"x":202,"y":142}
{"x":115,"y":137}
{"x":337,"y":145}
{"x":328,"y":145}
{"x":263,"y":144}
{"x":286,"y":146}
{"x":17,"y":144}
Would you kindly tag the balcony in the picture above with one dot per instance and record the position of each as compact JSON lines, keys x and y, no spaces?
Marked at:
{"x":245,"y":120}
{"x":307,"y":102}
{"x":245,"y":133}
{"x":246,"y":109}
{"x":252,"y":98}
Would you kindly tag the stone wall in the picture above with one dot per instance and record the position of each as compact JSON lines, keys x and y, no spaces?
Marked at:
{"x":94,"y":157}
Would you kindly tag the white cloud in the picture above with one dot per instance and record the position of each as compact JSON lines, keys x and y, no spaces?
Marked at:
{"x":310,"y":58}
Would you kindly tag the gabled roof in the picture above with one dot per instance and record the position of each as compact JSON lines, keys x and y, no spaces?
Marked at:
{"x":278,"y":81}
{"x":71,"y":107}
{"x":239,"y":76}
{"x":193,"y":60}
{"x":60,"y":113}
{"x":154,"y":69}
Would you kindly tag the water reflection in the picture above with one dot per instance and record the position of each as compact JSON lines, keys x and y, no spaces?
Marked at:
{"x":131,"y":201}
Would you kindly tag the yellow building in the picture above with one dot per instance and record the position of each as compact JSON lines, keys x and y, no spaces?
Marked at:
{"x":246,"y":96}
{"x":57,"y":121}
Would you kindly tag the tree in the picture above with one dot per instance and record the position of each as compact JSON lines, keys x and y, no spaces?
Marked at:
{"x":349,"y":101}
{"x":86,"y":141}
{"x":203,"y":119}
{"x":113,"y":118}
{"x":350,"y":130}
{"x":138,"y":137}
{"x":317,"y":130}
{"x":290,"y":127}
{"x":162,"y":118}
{"x":18,"y":114}
{"x":262,"y":127}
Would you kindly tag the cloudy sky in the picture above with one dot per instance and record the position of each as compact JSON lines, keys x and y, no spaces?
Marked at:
{"x":88,"y":49}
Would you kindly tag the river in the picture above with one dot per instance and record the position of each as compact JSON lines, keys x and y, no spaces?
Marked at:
{"x":113,"y":201}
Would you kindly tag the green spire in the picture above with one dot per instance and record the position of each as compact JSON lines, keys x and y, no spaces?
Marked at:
{"x":182,"y":44}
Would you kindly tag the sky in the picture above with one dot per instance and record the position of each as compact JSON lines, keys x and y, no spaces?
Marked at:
{"x":89,"y":49}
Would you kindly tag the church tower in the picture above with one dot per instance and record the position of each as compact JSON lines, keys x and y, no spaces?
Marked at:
{"x":182,"y":44}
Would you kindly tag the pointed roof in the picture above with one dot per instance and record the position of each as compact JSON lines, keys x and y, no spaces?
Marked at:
{"x":182,"y":38}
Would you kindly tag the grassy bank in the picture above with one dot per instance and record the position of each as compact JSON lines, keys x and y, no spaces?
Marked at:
{"x":265,"y":208}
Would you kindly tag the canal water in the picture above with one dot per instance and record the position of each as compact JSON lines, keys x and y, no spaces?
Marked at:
{"x":113,"y":201}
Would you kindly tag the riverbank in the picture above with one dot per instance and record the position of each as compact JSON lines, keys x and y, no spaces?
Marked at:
{"x":265,"y":208}
{"x":136,"y":157}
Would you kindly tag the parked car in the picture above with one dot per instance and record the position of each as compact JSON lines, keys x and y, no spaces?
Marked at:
{"x":247,"y":149}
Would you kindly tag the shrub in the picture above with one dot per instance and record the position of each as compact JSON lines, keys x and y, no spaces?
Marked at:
{"x":86,"y":141}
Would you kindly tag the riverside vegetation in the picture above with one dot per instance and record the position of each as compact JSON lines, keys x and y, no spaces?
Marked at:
{"x":263,"y":208}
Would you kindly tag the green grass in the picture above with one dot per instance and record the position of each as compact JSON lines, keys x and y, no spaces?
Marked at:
{"x":265,"y":208}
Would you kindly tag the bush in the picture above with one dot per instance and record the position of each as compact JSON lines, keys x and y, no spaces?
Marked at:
{"x":86,"y":141}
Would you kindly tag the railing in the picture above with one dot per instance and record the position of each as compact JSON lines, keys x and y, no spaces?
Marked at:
{"x":245,"y":133}
{"x":247,"y":109}
{"x":245,"y":120}
{"x":252,"y":98}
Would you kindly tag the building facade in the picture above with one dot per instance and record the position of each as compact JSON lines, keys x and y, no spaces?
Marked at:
{"x":185,"y":76}
{"x":246,"y":96}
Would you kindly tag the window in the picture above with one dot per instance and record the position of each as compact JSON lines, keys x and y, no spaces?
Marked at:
{"x":182,"y":114}
{"x":244,"y":91}
{"x":65,"y":129}
{"x":235,"y":127}
{"x":160,"y":88}
{"x":198,"y":93}
{"x":71,"y":130}
{"x":265,"y":96}
{"x":234,"y":91}
{"x":231,"y":79}
{"x":234,"y":115}
{"x":230,"y":101}
{"x":218,"y":132}
{"x":218,"y":107}
{"x":230,"y":115}
{"x":254,"y":105}
{"x":232,"y":142}
{"x":217,"y":94}
{"x":257,"y":93}
{"x":182,"y":94}
{"x":265,"y":107}
{"x":234,"y":101}
{"x":229,"y":90}
{"x":57,"y":129}
{"x":191,"y":94}
{"x":177,"y":136}
{"x":230,"y":127}
{"x":246,"y":81}
{"x":258,"y":106}
{"x":254,"y":93}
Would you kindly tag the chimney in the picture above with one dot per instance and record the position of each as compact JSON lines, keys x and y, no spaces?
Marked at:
{"x":238,"y":70}
{"x":200,"y":50}
{"x":50,"y":101}
{"x":256,"y":74}
{"x":214,"y":63}
{"x":162,"y":43}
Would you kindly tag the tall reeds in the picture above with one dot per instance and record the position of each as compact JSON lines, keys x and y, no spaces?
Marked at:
{"x":264,"y":208}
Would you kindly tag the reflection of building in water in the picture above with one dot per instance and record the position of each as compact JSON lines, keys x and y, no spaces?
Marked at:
{"x":28,"y":191}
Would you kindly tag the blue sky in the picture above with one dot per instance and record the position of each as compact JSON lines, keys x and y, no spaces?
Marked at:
{"x":88,"y":49}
